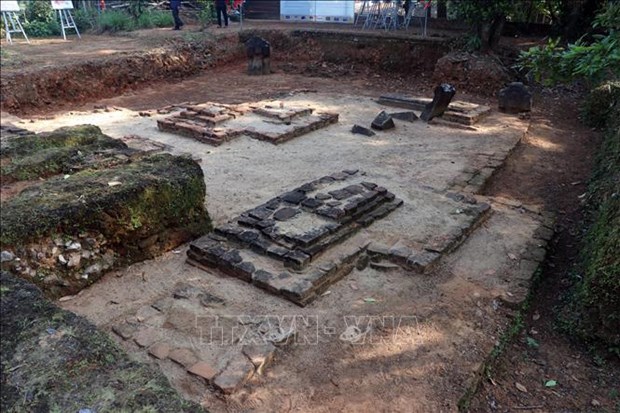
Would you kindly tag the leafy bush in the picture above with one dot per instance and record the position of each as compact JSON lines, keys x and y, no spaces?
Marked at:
{"x":39,"y":11}
{"x":115,"y":21}
{"x":598,"y":107}
{"x":594,"y":302}
{"x":593,"y":62}
{"x":86,"y":18}
{"x":155,"y":18}
{"x":40,"y":19}
{"x":42,"y":29}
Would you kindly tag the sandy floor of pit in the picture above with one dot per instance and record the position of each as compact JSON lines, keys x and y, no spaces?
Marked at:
{"x":451,"y":318}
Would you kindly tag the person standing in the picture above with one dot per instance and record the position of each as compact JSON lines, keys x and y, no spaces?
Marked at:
{"x":220,"y":9}
{"x":175,"y":5}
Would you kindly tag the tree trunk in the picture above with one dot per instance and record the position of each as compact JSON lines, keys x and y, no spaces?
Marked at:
{"x":442,"y":9}
{"x":490,"y":33}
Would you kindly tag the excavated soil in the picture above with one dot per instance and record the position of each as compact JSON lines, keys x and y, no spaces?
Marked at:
{"x":455,"y":315}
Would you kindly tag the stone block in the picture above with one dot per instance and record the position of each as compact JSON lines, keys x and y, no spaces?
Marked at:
{"x":443,"y":95}
{"x":404,"y":116}
{"x":421,"y":262}
{"x":125,"y":330}
{"x":515,"y":98}
{"x":159,"y":351}
{"x":286,"y":213}
{"x":382,"y":121}
{"x":360,"y":130}
{"x":294,"y":197}
{"x":236,"y":373}
{"x":204,"y":370}
{"x":183,"y":356}
{"x":244,"y":270}
{"x":265,"y":280}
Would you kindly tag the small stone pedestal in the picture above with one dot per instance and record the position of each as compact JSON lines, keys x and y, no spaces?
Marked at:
{"x":443,"y":95}
{"x":259,"y":56}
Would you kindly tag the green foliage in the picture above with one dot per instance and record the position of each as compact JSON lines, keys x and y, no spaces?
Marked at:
{"x":40,"y":19}
{"x":206,"y":14}
{"x":136,"y":8}
{"x":40,"y":11}
{"x":86,"y":18}
{"x":590,"y":61}
{"x":594,"y":303}
{"x":598,"y":106}
{"x":42,"y":29}
{"x":474,"y":11}
{"x":115,"y":21}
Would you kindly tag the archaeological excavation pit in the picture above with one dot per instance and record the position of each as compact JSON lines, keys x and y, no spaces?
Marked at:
{"x":308,"y":235}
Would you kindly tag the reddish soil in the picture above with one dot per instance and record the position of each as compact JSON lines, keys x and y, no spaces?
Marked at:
{"x":550,"y":166}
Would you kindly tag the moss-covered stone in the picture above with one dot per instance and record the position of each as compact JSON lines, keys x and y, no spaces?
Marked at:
{"x":65,"y":150}
{"x":135,"y":211}
{"x":597,"y":107}
{"x":55,"y":361}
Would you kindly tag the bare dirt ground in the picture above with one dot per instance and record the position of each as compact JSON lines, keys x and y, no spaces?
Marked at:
{"x":432,"y":364}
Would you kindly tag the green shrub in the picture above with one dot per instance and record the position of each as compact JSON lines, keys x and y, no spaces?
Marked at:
{"x":116,"y":21}
{"x":40,"y":11}
{"x":155,"y":18}
{"x":42,"y":29}
{"x":161,"y":18}
{"x":597,"y":108}
{"x":593,"y":62}
{"x":86,"y":18}
{"x":40,"y":20}
{"x":595,"y":301}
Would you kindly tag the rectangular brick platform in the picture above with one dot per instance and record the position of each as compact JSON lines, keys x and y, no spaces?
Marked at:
{"x":215,"y":123}
{"x":291,"y":234}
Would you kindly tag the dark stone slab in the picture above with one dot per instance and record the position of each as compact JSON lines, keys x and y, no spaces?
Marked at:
{"x":297,"y":259}
{"x":515,"y":98}
{"x":404,"y":116}
{"x":351,"y":171}
{"x":443,"y":95}
{"x":244,"y":270}
{"x":369,"y":185}
{"x":265,"y":224}
{"x":232,"y":257}
{"x":265,"y":280}
{"x":360,"y":130}
{"x":330,"y":212}
{"x":322,"y":197}
{"x":309,"y":187}
{"x":382,"y":121}
{"x":294,"y":197}
{"x":247,"y":221}
{"x":277,"y":252}
{"x":248,"y":236}
{"x":260,"y":213}
{"x":272,"y":204}
{"x":326,"y":180}
{"x":355,"y":189}
{"x":339,"y":176}
{"x":285,"y":214}
{"x":312,"y":203}
{"x":340,"y":194}
{"x":333,"y":203}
